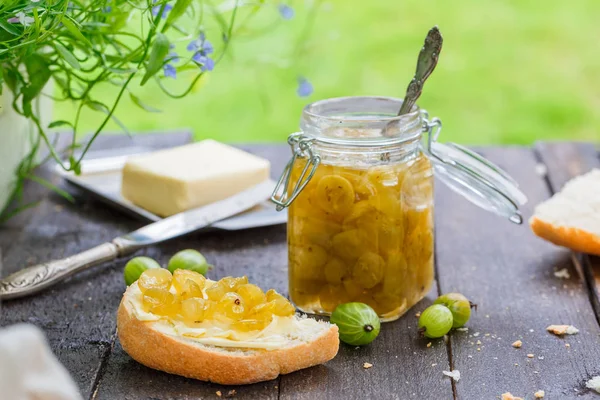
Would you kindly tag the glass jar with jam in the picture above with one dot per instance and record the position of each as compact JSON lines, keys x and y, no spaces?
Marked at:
{"x":359,"y":193}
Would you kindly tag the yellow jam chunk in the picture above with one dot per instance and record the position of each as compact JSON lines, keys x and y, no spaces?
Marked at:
{"x":362,"y":234}
{"x":231,"y":303}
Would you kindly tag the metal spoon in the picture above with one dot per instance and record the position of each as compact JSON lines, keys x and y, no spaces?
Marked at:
{"x":428,"y":58}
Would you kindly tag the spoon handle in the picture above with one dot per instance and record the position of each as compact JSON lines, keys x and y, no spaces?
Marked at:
{"x":428,"y":58}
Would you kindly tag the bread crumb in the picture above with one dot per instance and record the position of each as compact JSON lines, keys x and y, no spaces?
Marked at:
{"x":463,"y":329}
{"x":434,"y":364}
{"x":476,"y":334}
{"x":516,"y":364}
{"x":567,"y":345}
{"x":530,"y":355}
{"x":219,"y":393}
{"x":454,"y":374}
{"x":231,"y":393}
{"x":561,"y":330}
{"x":367,"y":365}
{"x":594,"y":384}
{"x":418,"y":314}
{"x":562,"y":274}
{"x":479,"y":349}
{"x":479,"y":342}
{"x":517,"y":344}
{"x":429,"y":344}
{"x":509,"y":396}
{"x":539,"y":394}
{"x":541,"y":169}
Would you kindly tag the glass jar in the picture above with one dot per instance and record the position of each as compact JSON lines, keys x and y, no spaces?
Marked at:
{"x":359,"y":192}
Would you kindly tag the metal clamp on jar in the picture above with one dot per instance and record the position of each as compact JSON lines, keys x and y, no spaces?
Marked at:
{"x":359,"y":192}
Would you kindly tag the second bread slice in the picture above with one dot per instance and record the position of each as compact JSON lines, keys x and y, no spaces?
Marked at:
{"x":571,"y":218}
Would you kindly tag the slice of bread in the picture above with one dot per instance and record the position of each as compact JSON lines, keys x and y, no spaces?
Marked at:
{"x":146,"y":343}
{"x":571,"y":218}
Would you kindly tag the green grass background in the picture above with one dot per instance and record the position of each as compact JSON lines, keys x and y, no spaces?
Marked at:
{"x":511,"y":71}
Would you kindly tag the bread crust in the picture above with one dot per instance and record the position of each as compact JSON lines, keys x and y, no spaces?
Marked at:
{"x":573,"y":238}
{"x":166,"y":353}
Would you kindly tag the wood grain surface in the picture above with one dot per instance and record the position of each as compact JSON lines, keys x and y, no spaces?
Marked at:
{"x":509,"y":273}
{"x":502,"y":267}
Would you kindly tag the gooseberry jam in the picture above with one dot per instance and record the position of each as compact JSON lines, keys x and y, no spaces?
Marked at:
{"x":360,"y":234}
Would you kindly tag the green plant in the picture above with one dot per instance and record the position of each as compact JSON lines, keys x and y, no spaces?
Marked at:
{"x":85,"y":45}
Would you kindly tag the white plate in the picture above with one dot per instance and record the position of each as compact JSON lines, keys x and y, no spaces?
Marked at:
{"x":101,"y":177}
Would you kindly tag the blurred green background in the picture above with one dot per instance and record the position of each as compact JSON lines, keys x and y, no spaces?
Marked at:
{"x":511,"y":71}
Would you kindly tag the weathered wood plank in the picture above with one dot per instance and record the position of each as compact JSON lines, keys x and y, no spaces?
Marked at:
{"x":509,"y":273}
{"x":564,"y":161}
{"x":403,"y":367}
{"x":77,"y":315}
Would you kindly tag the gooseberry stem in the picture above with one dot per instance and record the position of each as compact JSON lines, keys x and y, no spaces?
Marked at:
{"x":368,"y":328}
{"x":473,"y":305}
{"x":422,"y":331}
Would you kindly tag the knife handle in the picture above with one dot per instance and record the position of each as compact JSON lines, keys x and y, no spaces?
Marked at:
{"x":38,"y":277}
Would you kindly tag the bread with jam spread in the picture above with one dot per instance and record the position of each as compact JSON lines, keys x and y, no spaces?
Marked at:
{"x":213,"y":349}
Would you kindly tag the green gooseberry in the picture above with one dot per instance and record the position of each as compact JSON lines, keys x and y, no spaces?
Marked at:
{"x":189,"y":259}
{"x":435,"y":321}
{"x":459,"y":306}
{"x":136,"y":266}
{"x":358,"y":323}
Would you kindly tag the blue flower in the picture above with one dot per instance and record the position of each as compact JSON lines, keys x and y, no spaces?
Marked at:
{"x":170,"y":71}
{"x":169,"y":68}
{"x":286,"y":11}
{"x":206,"y":63}
{"x":202,"y":47}
{"x":21,"y":18}
{"x":305,"y":88}
{"x":156,"y":10}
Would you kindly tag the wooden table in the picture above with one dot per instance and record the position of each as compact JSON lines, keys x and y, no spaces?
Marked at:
{"x":504,"y":268}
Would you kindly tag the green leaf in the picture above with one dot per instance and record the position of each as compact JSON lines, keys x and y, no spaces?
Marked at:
{"x":74,"y":165}
{"x":10,"y":28}
{"x":141,"y":105}
{"x":67,"y":55}
{"x":10,"y":77}
{"x":159,"y":51}
{"x":59,"y":123}
{"x":71,"y":27}
{"x":97,"y":106}
{"x":27,"y":107}
{"x":39,"y":73}
{"x":178,"y":10}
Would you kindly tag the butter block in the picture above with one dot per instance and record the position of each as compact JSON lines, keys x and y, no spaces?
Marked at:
{"x":170,"y":181}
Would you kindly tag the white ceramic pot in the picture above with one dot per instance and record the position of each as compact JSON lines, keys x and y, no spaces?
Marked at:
{"x":16,"y":137}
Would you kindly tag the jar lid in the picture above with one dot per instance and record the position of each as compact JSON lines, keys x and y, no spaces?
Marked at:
{"x":477,"y":179}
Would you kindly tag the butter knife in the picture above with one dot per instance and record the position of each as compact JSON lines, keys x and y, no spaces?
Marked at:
{"x":38,"y":277}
